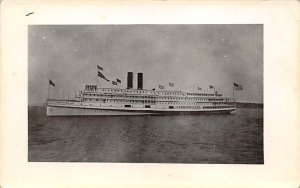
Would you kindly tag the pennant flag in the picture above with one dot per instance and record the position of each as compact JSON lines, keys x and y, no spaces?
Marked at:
{"x":171,"y":84}
{"x":237,"y":86}
{"x":114,"y":83}
{"x":102,"y":76}
{"x":199,"y":88}
{"x":153,"y":89}
{"x":99,"y":68}
{"x":51,"y":83}
{"x":210,"y":86}
{"x":118,"y":80}
{"x":161,"y":87}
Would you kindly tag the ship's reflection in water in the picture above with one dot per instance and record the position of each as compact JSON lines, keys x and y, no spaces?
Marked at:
{"x":218,"y":138}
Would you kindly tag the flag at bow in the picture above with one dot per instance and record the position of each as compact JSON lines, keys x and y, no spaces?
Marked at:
{"x":102,"y":76}
{"x":99,"y":68}
{"x":171,"y":84}
{"x":161,"y":87}
{"x":211,"y":87}
{"x":51,"y":83}
{"x":114,"y":83}
{"x":199,"y":88}
{"x":237,"y":86}
{"x":118,"y":80}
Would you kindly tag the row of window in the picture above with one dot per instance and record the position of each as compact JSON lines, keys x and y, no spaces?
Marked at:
{"x":156,"y":98}
{"x":190,"y":107}
{"x":178,"y":103}
{"x":141,"y":91}
{"x":153,"y":102}
{"x":157,"y":92}
{"x":119,"y":100}
{"x":187,"y":107}
{"x":116,"y":96}
{"x":177,"y":107}
{"x":126,"y":91}
{"x":202,"y":94}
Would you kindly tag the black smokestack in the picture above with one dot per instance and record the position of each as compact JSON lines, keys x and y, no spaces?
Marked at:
{"x":129,"y":80}
{"x":140,"y":81}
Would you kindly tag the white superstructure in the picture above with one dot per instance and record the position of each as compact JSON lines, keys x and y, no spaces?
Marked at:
{"x":112,"y":101}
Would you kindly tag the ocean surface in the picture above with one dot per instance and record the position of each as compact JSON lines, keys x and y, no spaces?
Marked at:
{"x":235,"y":138}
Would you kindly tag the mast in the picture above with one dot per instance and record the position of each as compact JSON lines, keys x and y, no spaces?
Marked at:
{"x":233,"y":93}
{"x":48,"y":93}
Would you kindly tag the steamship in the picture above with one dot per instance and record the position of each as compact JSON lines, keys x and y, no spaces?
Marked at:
{"x":129,"y":101}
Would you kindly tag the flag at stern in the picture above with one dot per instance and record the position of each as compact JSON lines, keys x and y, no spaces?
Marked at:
{"x":237,"y":86}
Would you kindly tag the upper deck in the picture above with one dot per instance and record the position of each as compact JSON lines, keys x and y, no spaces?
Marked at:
{"x":92,"y":93}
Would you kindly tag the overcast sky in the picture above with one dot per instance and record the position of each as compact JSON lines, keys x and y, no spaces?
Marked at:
{"x":186,"y":55}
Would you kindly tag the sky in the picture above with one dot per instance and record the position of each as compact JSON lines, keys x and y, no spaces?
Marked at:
{"x":189,"y":56}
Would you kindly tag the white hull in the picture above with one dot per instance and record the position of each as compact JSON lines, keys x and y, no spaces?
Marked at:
{"x":83,"y":111}
{"x":74,"y":111}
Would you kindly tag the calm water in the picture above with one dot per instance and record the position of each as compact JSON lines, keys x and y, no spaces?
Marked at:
{"x":226,"y":138}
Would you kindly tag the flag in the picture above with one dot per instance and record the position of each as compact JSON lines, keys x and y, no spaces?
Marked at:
{"x":114,"y":83}
{"x":210,"y":86}
{"x":171,"y":84}
{"x":51,"y":83}
{"x":99,"y":68}
{"x":237,"y":86}
{"x":153,"y":89}
{"x":118,"y":80}
{"x":199,"y":88}
{"x":102,"y":76}
{"x":161,"y":87}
